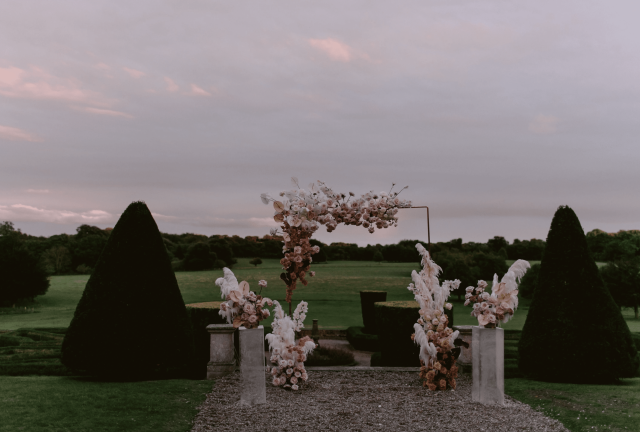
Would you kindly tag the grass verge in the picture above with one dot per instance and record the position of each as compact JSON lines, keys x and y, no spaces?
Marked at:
{"x":582,"y":407}
{"x":42,"y":403}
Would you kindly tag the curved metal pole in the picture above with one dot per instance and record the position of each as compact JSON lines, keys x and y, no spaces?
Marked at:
{"x":428,"y":227}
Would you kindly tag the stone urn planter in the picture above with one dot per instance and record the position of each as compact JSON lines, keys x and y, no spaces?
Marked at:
{"x":487,"y":350}
{"x":252,"y":366}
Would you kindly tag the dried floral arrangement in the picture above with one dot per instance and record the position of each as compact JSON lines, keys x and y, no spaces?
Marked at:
{"x":500,"y":305}
{"x":301,"y":212}
{"x":287,"y":355}
{"x":242,"y":306}
{"x":437,"y":341}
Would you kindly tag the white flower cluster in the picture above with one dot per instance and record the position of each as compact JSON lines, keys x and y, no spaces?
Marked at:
{"x":287,"y":355}
{"x":319,"y":204}
{"x":431,"y":331}
{"x":500,"y":305}
{"x":242,"y":307}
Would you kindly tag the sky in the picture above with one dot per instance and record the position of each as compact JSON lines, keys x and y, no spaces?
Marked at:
{"x":493,"y":112}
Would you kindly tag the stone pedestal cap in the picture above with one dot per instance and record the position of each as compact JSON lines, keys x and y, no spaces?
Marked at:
{"x":221,"y":328}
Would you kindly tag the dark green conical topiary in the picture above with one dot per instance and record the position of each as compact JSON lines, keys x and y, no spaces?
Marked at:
{"x":574,"y":331}
{"x":131,"y":320}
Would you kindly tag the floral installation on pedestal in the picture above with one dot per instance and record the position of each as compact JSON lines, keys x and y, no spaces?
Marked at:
{"x":499,"y":306}
{"x":300,"y":213}
{"x":242,"y":307}
{"x":287,"y":355}
{"x":437,"y":341}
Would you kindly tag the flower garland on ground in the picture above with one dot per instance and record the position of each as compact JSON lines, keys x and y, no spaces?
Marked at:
{"x":242,"y":307}
{"x":436,"y":340}
{"x":500,"y":305}
{"x":301,"y":212}
{"x":287,"y":355}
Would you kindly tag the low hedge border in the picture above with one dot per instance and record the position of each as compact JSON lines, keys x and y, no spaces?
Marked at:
{"x":200,"y":316}
{"x":362,"y":341}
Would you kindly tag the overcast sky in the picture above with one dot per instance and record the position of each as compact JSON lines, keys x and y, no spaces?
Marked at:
{"x":494,"y":112}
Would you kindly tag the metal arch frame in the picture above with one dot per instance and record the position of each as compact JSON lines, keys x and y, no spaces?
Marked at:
{"x":428,"y":225}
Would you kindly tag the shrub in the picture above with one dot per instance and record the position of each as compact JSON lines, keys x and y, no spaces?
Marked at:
{"x":219,"y":264}
{"x":22,"y":276}
{"x":131,"y":320}
{"x":200,"y":316}
{"x":199,"y":257}
{"x":83,"y":269}
{"x":622,"y":278}
{"x":574,"y":331}
{"x":362,"y":341}
{"x":329,"y":356}
{"x":394,"y":326}
{"x":367,"y":300}
{"x":529,"y":282}
{"x":255,"y":261}
{"x":377,"y":256}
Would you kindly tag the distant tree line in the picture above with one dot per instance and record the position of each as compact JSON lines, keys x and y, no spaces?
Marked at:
{"x":78,"y":253}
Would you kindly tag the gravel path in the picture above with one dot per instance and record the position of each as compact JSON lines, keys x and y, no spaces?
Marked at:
{"x":364,"y":401}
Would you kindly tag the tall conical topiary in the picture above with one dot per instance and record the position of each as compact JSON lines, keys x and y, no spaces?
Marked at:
{"x":131,"y":320}
{"x":574,"y":331}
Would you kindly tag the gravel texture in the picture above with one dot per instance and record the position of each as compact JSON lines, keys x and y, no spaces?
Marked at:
{"x":364,"y":401}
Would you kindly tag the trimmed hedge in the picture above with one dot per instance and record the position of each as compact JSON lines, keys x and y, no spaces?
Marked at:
{"x":362,"y":341}
{"x":200,"y":316}
{"x":329,"y":356}
{"x":131,"y":321}
{"x":367,"y":300}
{"x":574,"y":330}
{"x":394,"y":325}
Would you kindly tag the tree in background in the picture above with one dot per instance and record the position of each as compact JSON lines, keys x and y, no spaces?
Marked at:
{"x":199,"y":257}
{"x":497,"y":243}
{"x":222,"y":248}
{"x":574,"y":331}
{"x":377,"y":256}
{"x":529,"y":282}
{"x":131,"y":320}
{"x":255,"y":261}
{"x":58,"y":258}
{"x":623,"y":281}
{"x":21,"y":274}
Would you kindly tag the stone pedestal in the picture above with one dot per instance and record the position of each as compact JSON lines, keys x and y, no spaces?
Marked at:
{"x":466,"y":357}
{"x":222,"y":358}
{"x":252,"y":366}
{"x":488,"y":365}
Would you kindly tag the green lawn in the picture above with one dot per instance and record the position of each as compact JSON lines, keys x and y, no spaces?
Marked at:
{"x":583,"y":407}
{"x":42,"y":403}
{"x":333,"y":294}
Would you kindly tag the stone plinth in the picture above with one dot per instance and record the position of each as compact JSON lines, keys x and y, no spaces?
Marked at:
{"x":466,"y":357}
{"x":252,"y":366}
{"x":488,"y":365}
{"x":222,"y":359}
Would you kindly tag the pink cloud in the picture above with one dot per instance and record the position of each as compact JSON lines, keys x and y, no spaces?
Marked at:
{"x":103,"y":66}
{"x":133,"y":72}
{"x":195,"y":90}
{"x":335,"y":49}
{"x":21,"y":212}
{"x":15,"y":134}
{"x":38,"y":84}
{"x":171,"y":86}
{"x":106,"y":112}
{"x":38,"y":191}
{"x":543,"y":124}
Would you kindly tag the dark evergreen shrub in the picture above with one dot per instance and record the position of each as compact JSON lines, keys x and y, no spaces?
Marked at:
{"x":394,"y":326}
{"x":219,"y":264}
{"x":22,"y":276}
{"x":329,"y":356}
{"x":200,"y":318}
{"x":529,"y":282}
{"x":255,"y":262}
{"x":367,"y":299}
{"x":199,"y":257}
{"x":131,"y":320}
{"x":574,"y":331}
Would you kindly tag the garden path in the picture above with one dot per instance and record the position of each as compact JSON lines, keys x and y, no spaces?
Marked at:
{"x":364,"y":401}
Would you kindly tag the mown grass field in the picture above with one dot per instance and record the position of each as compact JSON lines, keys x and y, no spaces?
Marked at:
{"x":39,"y":403}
